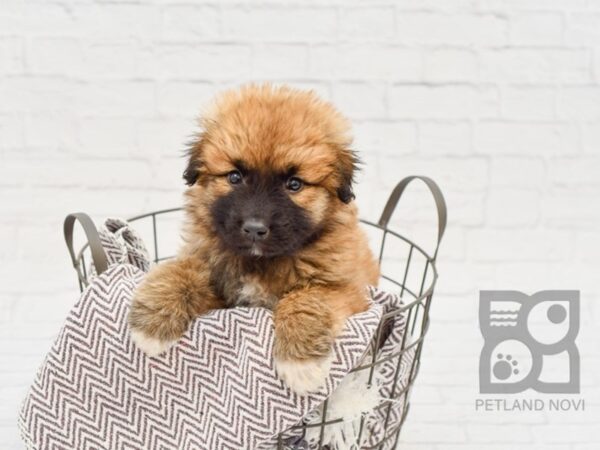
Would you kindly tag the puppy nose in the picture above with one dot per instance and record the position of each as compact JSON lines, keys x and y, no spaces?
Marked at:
{"x":255,"y":229}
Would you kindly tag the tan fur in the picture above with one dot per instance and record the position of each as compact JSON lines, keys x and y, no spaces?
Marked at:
{"x":312,"y":292}
{"x":170,"y":297}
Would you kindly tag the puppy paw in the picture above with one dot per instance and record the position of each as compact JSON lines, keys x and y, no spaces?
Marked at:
{"x":303,"y":376}
{"x":149,"y":345}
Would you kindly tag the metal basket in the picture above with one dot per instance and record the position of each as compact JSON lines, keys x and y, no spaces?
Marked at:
{"x":415,"y":286}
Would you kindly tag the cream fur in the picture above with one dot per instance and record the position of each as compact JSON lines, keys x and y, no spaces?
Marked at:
{"x":303,"y":376}
{"x":149,"y":345}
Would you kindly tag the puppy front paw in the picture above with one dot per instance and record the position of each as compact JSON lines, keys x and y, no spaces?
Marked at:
{"x":151,"y":346}
{"x":303,"y":376}
{"x":304,"y":336}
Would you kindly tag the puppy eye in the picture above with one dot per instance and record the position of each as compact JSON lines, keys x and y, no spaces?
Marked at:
{"x":294,"y":184}
{"x":234,"y":177}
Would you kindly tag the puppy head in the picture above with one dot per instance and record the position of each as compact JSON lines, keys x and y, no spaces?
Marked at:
{"x":270,"y":167}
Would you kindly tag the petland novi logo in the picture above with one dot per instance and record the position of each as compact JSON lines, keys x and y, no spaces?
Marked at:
{"x":529,"y":343}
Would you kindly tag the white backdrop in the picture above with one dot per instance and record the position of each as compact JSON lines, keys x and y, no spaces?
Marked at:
{"x":499,"y":101}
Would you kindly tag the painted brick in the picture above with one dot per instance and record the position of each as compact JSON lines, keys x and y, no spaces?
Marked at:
{"x":528,"y":65}
{"x":127,"y":21}
{"x":513,"y":207}
{"x":519,"y":172}
{"x":107,"y":137}
{"x":579,"y":103}
{"x":280,"y":24}
{"x":280,"y":61}
{"x":527,"y":245}
{"x":536,"y":28}
{"x":445,"y":138}
{"x":525,"y":139}
{"x":12,"y":131}
{"x":528,"y":103}
{"x":367,"y":23}
{"x":189,"y":23}
{"x":360,"y":101}
{"x":570,"y":172}
{"x":381,"y":137}
{"x":451,"y":65}
{"x":203,"y":62}
{"x":442,"y":102}
{"x":12,"y":55}
{"x":366,"y":61}
{"x":582,"y":28}
{"x":183,"y":98}
{"x":451,"y":29}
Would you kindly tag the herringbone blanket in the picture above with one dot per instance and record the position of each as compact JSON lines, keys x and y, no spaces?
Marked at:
{"x":215,"y":390}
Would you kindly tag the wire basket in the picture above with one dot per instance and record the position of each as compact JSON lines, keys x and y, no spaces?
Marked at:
{"x":405,"y":267}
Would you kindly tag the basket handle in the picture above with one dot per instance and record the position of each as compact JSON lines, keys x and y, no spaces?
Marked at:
{"x":440,"y":204}
{"x":98,"y":255}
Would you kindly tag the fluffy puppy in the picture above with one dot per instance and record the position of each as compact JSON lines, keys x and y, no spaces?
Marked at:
{"x":271,"y":222}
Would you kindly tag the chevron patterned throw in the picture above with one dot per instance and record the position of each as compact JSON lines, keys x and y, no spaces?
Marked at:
{"x":215,"y":390}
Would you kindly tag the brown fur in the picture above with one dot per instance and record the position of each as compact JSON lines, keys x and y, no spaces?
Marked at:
{"x":312,"y":291}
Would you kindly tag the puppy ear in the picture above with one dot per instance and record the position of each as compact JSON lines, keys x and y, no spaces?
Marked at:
{"x":192,"y":171}
{"x":348,"y":164}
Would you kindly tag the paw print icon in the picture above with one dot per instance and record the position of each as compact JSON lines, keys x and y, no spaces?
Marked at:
{"x":529,"y":342}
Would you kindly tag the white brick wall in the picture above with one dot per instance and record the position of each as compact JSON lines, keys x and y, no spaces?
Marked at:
{"x":498,"y":100}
